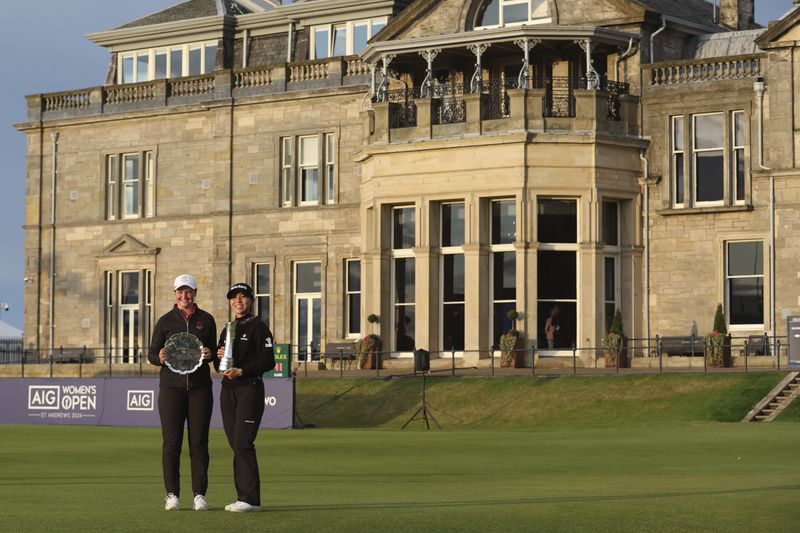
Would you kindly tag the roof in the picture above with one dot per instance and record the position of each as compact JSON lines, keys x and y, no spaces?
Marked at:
{"x":734,"y":43}
{"x":7,"y":330}
{"x":191,"y":9}
{"x":696,"y":11}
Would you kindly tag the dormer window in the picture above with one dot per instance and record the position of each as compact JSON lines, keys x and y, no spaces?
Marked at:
{"x":169,"y":62}
{"x":499,"y":13}
{"x":344,"y":39}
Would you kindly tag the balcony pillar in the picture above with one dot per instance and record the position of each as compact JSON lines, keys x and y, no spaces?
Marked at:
{"x":629,"y":113}
{"x":34,"y":107}
{"x":590,"y":109}
{"x":336,"y":70}
{"x":382,"y":122}
{"x":424,"y":117}
{"x":474,"y":103}
{"x":223,"y":84}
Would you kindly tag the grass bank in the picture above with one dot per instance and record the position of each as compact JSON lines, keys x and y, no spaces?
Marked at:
{"x":532,"y":403}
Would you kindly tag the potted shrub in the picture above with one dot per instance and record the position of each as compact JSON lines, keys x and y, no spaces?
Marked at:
{"x":368,"y":347}
{"x":718,"y":342}
{"x":615,"y":343}
{"x":511,"y":353}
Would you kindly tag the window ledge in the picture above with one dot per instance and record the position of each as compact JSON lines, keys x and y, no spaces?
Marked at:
{"x":704,"y":210}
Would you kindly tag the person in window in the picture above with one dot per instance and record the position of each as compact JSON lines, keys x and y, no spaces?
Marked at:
{"x":552,"y":327}
{"x":242,"y":396}
{"x":184,"y":398}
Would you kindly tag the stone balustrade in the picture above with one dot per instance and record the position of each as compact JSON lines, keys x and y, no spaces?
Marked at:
{"x":696,"y":71}
{"x":222,"y":84}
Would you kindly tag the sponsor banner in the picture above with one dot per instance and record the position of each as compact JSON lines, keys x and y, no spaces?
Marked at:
{"x":116,"y":402}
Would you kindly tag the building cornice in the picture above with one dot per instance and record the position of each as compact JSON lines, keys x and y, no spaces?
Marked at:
{"x":128,"y":38}
{"x":374,"y":51}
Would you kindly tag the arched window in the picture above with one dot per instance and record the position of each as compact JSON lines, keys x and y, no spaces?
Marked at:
{"x":498,"y":13}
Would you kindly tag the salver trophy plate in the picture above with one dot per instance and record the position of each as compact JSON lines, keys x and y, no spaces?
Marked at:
{"x":184,"y":353}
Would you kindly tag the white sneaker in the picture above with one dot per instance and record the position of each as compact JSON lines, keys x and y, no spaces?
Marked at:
{"x":172,"y":503}
{"x":200,"y":503}
{"x":242,"y":507}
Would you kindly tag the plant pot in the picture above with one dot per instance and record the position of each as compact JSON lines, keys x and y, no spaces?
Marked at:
{"x":610,"y":356}
{"x":514,"y":358}
{"x":369,"y":362}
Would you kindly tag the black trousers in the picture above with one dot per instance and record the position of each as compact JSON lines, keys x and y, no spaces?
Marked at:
{"x":242,"y":408}
{"x":192,"y":406}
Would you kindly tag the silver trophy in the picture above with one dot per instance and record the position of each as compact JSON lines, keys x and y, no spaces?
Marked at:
{"x":184,"y":353}
{"x":227,"y":357}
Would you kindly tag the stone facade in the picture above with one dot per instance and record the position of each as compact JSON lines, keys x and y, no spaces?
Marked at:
{"x":561,"y":144}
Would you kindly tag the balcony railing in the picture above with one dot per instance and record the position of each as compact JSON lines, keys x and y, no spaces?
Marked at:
{"x":449,"y":105}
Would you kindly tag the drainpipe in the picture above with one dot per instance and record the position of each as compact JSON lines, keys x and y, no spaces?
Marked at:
{"x":759,"y":87}
{"x":289,"y":44}
{"x":646,"y":236}
{"x":54,"y":175}
{"x":653,"y":35}
{"x":244,"y":48}
{"x":624,"y":55}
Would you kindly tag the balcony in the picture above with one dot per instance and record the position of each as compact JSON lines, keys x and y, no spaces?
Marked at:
{"x":546,"y":104}
{"x":219,"y":85}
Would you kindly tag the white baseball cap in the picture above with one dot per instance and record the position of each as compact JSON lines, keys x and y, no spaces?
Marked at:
{"x":184,"y":280}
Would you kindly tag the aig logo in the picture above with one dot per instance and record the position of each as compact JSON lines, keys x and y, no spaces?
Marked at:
{"x":43,"y":397}
{"x":140,"y":400}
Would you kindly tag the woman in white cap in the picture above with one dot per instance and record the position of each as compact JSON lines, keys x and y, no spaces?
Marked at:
{"x":184,"y":398}
{"x":242,"y":394}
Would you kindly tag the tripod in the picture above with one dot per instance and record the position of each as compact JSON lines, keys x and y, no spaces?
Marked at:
{"x":424,"y":410}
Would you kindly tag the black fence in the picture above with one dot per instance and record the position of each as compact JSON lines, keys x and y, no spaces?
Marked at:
{"x":667,"y":354}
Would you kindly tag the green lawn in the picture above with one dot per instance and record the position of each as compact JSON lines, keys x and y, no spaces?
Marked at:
{"x":516,"y":455}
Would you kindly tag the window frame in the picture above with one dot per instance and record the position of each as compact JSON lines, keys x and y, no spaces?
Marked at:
{"x":113,"y":310}
{"x":401,"y":253}
{"x":349,"y":29}
{"x":145,"y":184}
{"x":450,"y":251}
{"x":495,"y":248}
{"x":259,"y":294}
{"x":290,"y":169}
{"x":501,"y":14}
{"x":728,"y":277}
{"x":731,"y":146}
{"x":151,"y":53}
{"x":349,"y":332}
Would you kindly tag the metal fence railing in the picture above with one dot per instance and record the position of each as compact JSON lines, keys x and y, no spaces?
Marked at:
{"x":661,"y":354}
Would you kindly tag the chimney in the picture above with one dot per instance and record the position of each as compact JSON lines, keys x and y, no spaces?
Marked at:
{"x":737,"y":14}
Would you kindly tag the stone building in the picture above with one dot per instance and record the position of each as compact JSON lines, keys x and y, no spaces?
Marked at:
{"x":436,"y":163}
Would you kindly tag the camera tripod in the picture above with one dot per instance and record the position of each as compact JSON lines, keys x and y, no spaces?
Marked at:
{"x":424,"y":410}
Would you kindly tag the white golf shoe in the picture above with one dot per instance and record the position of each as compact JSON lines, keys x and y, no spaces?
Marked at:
{"x":172,"y":503}
{"x":242,"y":507}
{"x":200,"y":503}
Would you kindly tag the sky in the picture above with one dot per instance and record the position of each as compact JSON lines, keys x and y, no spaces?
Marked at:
{"x":53,"y":55}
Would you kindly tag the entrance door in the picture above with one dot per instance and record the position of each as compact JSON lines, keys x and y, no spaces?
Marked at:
{"x":308,"y":310}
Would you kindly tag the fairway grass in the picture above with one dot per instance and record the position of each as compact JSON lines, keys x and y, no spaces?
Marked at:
{"x":693,"y":477}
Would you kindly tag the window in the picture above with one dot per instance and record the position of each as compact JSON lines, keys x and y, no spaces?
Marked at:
{"x":744,"y":275}
{"x":130,"y":185}
{"x":737,"y":150}
{"x":300,"y":177}
{"x":174,"y":62}
{"x":453,"y":280}
{"x":262,"y":291}
{"x":611,"y":223}
{"x":353,"y":297}
{"x":677,"y":161}
{"x":716,"y":173}
{"x":403,"y":278}
{"x":503,"y":267}
{"x":610,"y":290}
{"x":307,"y":309}
{"x":507,"y":12}
{"x":557,"y":273}
{"x":346,"y":39}
{"x":308,"y":165}
{"x":128,"y":313}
